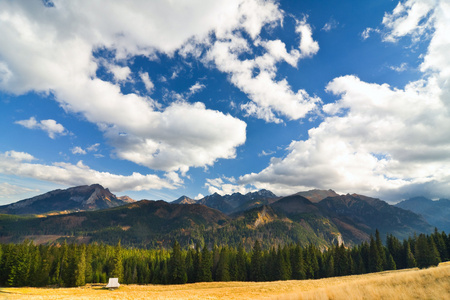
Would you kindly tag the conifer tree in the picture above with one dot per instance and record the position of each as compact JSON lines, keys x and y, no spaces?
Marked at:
{"x":80,"y":268}
{"x":297,"y":263}
{"x":256,"y":265}
{"x":89,"y":273}
{"x":205,"y":266}
{"x":391,"y":263}
{"x":177,"y":267}
{"x":196,"y":264}
{"x":222,"y":270}
{"x":440,"y":244}
{"x":380,"y":249}
{"x":241,"y":262}
{"x":281,"y":266}
{"x":410,"y":259}
{"x":116,"y":263}
{"x":375,"y":262}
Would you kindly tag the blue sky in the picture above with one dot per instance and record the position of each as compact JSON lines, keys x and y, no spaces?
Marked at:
{"x":167,"y":98}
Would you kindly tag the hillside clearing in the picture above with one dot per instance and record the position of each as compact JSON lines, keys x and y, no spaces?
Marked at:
{"x":432,"y":283}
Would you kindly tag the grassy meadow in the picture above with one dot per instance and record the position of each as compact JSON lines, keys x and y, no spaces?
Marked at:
{"x":432,"y":283}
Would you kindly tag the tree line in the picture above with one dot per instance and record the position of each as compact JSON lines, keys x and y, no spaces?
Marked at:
{"x":27,"y":264}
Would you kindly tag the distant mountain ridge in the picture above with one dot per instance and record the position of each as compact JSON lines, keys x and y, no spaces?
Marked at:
{"x":229,"y":219}
{"x":86,"y":197}
{"x":231,"y":203}
{"x":437,"y":213}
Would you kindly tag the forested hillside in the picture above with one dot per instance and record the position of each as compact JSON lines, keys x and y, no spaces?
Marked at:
{"x":27,"y":264}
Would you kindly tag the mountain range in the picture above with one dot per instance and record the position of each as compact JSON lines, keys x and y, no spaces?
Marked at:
{"x":93,"y":214}
{"x":86,"y":197}
{"x":437,"y":213}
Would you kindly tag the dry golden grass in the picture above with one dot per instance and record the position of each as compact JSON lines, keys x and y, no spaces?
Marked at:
{"x":433,"y":283}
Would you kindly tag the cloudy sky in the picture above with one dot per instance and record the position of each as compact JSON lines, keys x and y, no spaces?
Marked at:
{"x":158,"y":99}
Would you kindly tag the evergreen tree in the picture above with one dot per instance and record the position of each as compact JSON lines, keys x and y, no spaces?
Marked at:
{"x":196,"y":264}
{"x":426,"y":252}
{"x":391,"y":263}
{"x":177,"y":267}
{"x":360,"y":266}
{"x":116,"y":263}
{"x":222,"y":270}
{"x":375,"y":262}
{"x":329,"y":266}
{"x":297,"y":263}
{"x":205,"y":266}
{"x":241,"y":262}
{"x":281,"y":271}
{"x":440,"y":244}
{"x":189,"y":263}
{"x":89,"y":273}
{"x":380,"y":249}
{"x":256,"y":265}
{"x":410,"y":261}
{"x":80,"y":269}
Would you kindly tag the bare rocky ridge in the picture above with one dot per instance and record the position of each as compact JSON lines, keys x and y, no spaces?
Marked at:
{"x":80,"y":198}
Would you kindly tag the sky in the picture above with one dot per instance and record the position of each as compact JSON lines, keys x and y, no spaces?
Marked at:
{"x":158,"y":99}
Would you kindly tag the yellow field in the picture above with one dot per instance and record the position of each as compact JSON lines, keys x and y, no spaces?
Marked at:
{"x":433,"y":283}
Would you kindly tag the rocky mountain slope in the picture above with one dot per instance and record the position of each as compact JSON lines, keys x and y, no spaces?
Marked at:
{"x":437,"y":213}
{"x":92,"y":197}
{"x":230,"y":219}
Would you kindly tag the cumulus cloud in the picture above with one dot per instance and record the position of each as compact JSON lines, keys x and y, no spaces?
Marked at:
{"x":161,"y":147}
{"x":197,"y":87}
{"x":226,"y":186}
{"x":257,"y":77}
{"x":17,"y":163}
{"x":368,"y":31}
{"x":409,"y":18}
{"x":376,"y":139}
{"x":78,"y":150}
{"x":9,"y":190}
{"x":50,"y":126}
{"x":57,"y":45}
{"x":403,"y":67}
{"x":149,"y":86}
{"x":308,"y":46}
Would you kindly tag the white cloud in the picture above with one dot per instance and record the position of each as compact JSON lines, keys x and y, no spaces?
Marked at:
{"x":407,"y":17}
{"x":199,"y":196}
{"x":93,"y":147}
{"x":57,"y":45}
{"x":308,"y":46}
{"x":264,"y":153}
{"x":78,"y":150}
{"x":256,"y":77}
{"x":226,"y":186}
{"x":403,"y":67}
{"x":149,"y":86}
{"x":331,"y":24}
{"x":9,"y":190}
{"x":197,"y":87}
{"x":50,"y":126}
{"x":160,"y":146}
{"x":367,"y":32}
{"x":375,"y":139}
{"x":14,"y":163}
{"x":18,"y":156}
{"x":120,"y":73}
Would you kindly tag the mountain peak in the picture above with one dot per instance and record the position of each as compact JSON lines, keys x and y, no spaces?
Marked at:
{"x":184,"y":200}
{"x":84,"y":197}
{"x":317,"y":195}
